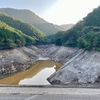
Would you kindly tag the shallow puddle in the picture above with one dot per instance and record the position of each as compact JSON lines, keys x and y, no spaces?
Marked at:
{"x":35,"y":75}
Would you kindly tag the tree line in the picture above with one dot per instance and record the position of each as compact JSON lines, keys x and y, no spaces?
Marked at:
{"x":15,"y":32}
{"x":85,"y":34}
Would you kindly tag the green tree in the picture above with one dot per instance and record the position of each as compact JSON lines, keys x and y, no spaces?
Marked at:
{"x":9,"y":44}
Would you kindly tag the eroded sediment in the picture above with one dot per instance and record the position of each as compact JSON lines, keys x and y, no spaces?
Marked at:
{"x":19,"y":59}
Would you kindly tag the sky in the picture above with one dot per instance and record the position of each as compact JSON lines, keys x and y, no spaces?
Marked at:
{"x":55,"y":11}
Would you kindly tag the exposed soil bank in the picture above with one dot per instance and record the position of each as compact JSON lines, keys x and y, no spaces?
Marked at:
{"x":19,"y":59}
{"x":79,"y":66}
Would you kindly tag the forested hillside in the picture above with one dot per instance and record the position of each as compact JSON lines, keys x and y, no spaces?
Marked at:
{"x":85,"y":34}
{"x":24,"y":14}
{"x":11,"y":37}
{"x":14,"y":33}
{"x":66,"y":26}
{"x":30,"y":17}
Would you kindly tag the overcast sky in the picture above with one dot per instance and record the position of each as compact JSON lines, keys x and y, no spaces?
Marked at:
{"x":55,"y":11}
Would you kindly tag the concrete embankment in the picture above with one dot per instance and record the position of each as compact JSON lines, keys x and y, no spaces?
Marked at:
{"x":45,"y":93}
{"x":82,"y":68}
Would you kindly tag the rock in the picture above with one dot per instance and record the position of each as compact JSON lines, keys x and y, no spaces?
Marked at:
{"x":57,"y":82}
{"x":16,"y":60}
{"x":58,"y":53}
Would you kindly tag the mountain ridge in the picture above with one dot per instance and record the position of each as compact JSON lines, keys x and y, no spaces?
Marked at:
{"x":30,"y":17}
{"x":85,"y":34}
{"x":17,"y":33}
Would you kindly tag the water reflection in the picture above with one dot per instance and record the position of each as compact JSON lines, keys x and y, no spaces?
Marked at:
{"x":35,"y":75}
{"x":39,"y":79}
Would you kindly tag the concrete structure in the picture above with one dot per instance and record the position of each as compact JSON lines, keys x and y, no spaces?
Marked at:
{"x":48,"y":93}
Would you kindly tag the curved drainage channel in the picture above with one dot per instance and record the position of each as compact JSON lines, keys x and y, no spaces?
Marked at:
{"x":35,"y":75}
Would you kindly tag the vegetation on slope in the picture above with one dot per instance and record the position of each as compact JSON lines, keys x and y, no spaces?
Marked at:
{"x":11,"y":37}
{"x":23,"y":14}
{"x":25,"y":28}
{"x":15,"y":33}
{"x":30,"y":17}
{"x":85,"y":34}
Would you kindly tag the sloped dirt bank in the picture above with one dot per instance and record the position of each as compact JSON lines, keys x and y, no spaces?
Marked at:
{"x":19,"y":59}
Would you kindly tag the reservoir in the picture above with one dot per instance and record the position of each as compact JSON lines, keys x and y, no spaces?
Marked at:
{"x":36,"y":75}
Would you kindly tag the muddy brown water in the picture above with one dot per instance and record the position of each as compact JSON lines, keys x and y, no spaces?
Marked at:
{"x":36,"y":75}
